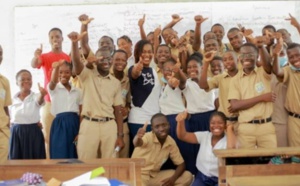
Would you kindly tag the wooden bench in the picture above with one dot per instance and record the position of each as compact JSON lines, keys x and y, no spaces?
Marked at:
{"x":127,"y":170}
{"x":224,"y":157}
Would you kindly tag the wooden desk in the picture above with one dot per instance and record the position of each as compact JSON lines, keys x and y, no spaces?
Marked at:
{"x":126,"y":169}
{"x":224,"y":155}
{"x":288,"y":180}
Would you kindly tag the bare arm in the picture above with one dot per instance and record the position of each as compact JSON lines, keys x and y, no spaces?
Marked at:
{"x":54,"y":75}
{"x":119,"y":121}
{"x":175,"y":19}
{"x":141,"y":26}
{"x":231,"y":138}
{"x":237,"y":105}
{"x":182,"y":134}
{"x":43,"y":93}
{"x":276,"y":66}
{"x":197,"y":43}
{"x":294,"y":22}
{"x":36,"y":61}
{"x":78,"y":66}
{"x":84,"y":41}
{"x":208,"y":56}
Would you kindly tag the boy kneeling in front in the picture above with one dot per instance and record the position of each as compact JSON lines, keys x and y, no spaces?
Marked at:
{"x":155,"y":147}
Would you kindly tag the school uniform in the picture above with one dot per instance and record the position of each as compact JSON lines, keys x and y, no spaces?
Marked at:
{"x":200,"y":105}
{"x":280,"y":114}
{"x":171,"y":104}
{"x":65,"y":126}
{"x":5,"y":101}
{"x":98,"y":129}
{"x":126,"y":96}
{"x":222,"y":82}
{"x":27,"y":140}
{"x":292,"y":104}
{"x":207,"y":162}
{"x":145,"y":91}
{"x":224,"y":48}
{"x":255,"y":123}
{"x":155,"y":156}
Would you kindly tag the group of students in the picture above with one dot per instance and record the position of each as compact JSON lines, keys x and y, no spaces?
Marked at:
{"x":96,"y":103}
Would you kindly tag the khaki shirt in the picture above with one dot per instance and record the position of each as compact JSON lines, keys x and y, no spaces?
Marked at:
{"x":222,"y":81}
{"x":5,"y":100}
{"x":100,"y":94}
{"x":245,"y":86}
{"x":292,"y":80}
{"x":155,"y":154}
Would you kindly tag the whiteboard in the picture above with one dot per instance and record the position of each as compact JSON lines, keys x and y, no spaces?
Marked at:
{"x":32,"y":24}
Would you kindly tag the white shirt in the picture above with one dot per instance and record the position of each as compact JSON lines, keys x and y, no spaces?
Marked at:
{"x":26,"y":111}
{"x":130,"y":61}
{"x":198,"y":101}
{"x":63,"y":100}
{"x":170,"y":101}
{"x":207,"y":162}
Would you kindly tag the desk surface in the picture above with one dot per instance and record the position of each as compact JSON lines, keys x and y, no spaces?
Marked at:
{"x":283,"y":180}
{"x":124,"y":169}
{"x":257,"y":152}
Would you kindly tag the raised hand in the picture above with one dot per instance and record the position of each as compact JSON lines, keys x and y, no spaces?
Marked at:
{"x":208,"y":56}
{"x":42,"y":90}
{"x":75,"y":37}
{"x":84,"y":19}
{"x":182,"y":116}
{"x":242,"y":28}
{"x":157,"y":31}
{"x":293,"y":21}
{"x":177,"y":66}
{"x":260,"y":41}
{"x":199,"y":19}
{"x":38,"y":51}
{"x":176,"y":18}
{"x":140,"y":65}
{"x":172,"y":81}
{"x":58,"y":63}
{"x":141,"y":21}
{"x":141,"y":132}
{"x":279,"y":45}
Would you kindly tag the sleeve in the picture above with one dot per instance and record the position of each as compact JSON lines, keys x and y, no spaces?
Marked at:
{"x":286,"y":74}
{"x":265,"y":74}
{"x":128,"y":96}
{"x":146,"y":139}
{"x":175,"y":154}
{"x":234,"y":92}
{"x":51,"y":92}
{"x":7,"y":94}
{"x":200,"y":136}
{"x":118,"y":100}
{"x":80,"y":96}
{"x":213,"y":82}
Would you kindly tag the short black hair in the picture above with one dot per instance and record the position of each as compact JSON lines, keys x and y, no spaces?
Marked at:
{"x":112,"y":40}
{"x":70,"y":65}
{"x":55,"y":29}
{"x":217,"y":24}
{"x":233,"y":29}
{"x":21,"y":71}
{"x":250,"y":45}
{"x":197,"y":57}
{"x":270,"y":26}
{"x":163,"y":45}
{"x":156,"y":116}
{"x":120,"y":51}
{"x":170,"y":60}
{"x":126,"y":38}
{"x":293,"y":45}
{"x":218,"y":113}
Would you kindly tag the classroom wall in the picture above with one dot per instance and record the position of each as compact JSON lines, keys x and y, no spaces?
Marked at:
{"x":7,"y":31}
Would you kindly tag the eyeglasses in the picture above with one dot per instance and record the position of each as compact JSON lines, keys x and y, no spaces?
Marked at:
{"x":249,"y":55}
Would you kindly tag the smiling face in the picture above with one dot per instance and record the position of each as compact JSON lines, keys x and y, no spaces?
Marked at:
{"x":147,"y":54}
{"x":103,"y":64}
{"x":119,"y":61}
{"x":24,"y":81}
{"x":55,"y":39}
{"x":217,"y":125}
{"x":248,"y":57}
{"x":294,"y":56}
{"x":211,"y":45}
{"x":125,"y":45}
{"x":193,"y":69}
{"x":236,"y":39}
{"x":65,"y":73}
{"x":216,"y":66}
{"x":219,"y":32}
{"x":106,"y":43}
{"x":230,"y":61}
{"x":160,"y":127}
{"x":163,"y":54}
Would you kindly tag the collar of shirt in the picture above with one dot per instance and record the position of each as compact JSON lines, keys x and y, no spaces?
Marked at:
{"x":16,"y":96}
{"x":124,"y":80}
{"x":61,"y":86}
{"x":253,"y":71}
{"x":166,"y":144}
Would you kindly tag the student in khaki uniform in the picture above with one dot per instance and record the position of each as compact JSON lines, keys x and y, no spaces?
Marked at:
{"x":221,"y":81}
{"x":5,"y":101}
{"x":101,"y":129}
{"x":251,"y":96}
{"x":235,"y":38}
{"x":291,"y":76}
{"x":155,"y":147}
{"x":119,"y":62}
{"x":219,"y":31}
